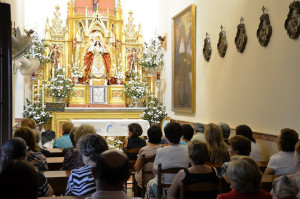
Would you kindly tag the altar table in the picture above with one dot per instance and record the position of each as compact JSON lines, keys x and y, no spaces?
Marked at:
{"x":113,"y":127}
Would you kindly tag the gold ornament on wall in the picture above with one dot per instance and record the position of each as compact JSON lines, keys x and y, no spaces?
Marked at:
{"x":264,"y":31}
{"x":292,"y":23}
{"x":207,"y":48}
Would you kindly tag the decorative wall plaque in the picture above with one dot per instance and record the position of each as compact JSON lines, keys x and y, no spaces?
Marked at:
{"x":292,"y":23}
{"x":207,"y":48}
{"x":241,"y":37}
{"x":264,"y":30}
{"x":222,"y":43}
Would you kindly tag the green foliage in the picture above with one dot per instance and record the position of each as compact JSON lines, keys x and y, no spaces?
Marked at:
{"x":38,"y":50}
{"x":152,"y":56}
{"x":154,"y":113}
{"x":35,"y":111}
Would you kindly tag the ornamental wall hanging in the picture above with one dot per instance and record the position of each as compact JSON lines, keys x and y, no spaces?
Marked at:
{"x":241,"y":37}
{"x":264,"y":30}
{"x":222,"y":43}
{"x":207,"y":48}
{"x":292,"y":23}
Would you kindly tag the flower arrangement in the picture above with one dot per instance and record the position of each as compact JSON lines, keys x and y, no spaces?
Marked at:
{"x":76,"y":72}
{"x":152,"y":56}
{"x":59,"y":87}
{"x":114,"y":143}
{"x":38,"y":50}
{"x":135,"y":88}
{"x":154,"y":113}
{"x":36,"y":112}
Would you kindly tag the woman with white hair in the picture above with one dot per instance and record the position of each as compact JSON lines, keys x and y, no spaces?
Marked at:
{"x":245,"y":178}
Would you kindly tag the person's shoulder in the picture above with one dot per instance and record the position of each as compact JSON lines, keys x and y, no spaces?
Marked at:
{"x":263,"y":194}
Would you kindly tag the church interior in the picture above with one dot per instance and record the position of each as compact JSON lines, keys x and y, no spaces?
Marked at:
{"x":111,"y":63}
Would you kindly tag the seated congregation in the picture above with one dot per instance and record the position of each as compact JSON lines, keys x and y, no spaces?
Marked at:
{"x":200,"y":162}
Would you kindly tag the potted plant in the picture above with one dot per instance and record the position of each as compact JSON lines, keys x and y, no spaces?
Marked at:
{"x":154,"y":113}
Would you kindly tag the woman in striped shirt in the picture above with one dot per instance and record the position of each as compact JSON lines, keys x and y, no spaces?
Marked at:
{"x":81,"y":181}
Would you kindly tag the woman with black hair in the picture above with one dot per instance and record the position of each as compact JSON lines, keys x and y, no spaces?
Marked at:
{"x":246,"y":131}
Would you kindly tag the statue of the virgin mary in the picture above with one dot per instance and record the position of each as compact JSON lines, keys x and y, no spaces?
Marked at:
{"x":97,"y":62}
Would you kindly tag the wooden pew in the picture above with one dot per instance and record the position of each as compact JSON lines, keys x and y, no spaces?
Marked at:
{"x":55,"y":163}
{"x":266,"y":181}
{"x":56,"y":152}
{"x":64,"y":197}
{"x":58,"y":180}
{"x":261,"y":164}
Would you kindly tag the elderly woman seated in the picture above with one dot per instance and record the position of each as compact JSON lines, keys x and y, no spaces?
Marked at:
{"x":288,"y":186}
{"x":198,"y":172}
{"x":245,"y":177}
{"x":81,"y":181}
{"x":33,"y":154}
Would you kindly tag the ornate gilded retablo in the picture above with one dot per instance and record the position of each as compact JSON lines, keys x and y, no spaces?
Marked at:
{"x":222,"y":43}
{"x":292,"y":23}
{"x":264,"y":30}
{"x":207,"y":48}
{"x":241,"y":37}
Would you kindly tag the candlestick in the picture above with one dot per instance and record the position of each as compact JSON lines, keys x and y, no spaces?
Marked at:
{"x":52,"y":72}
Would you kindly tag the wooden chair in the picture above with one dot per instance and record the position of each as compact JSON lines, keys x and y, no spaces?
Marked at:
{"x":58,"y":180}
{"x":144,"y":172}
{"x":134,"y":151}
{"x":161,"y":185}
{"x":197,"y":187}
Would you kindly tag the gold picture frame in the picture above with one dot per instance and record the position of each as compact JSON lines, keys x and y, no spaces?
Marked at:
{"x":183,"y":48}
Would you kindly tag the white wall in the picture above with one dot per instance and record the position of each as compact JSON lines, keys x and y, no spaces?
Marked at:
{"x":259,"y":87}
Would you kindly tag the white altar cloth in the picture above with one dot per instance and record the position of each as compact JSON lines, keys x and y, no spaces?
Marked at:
{"x":113,"y":127}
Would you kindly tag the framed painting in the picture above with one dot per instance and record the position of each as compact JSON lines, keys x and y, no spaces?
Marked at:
{"x":183,"y":79}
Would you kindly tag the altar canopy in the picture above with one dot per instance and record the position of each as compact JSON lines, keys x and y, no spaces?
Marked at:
{"x":113,"y":127}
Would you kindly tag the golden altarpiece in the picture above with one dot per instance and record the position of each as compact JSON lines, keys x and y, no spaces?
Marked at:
{"x":112,"y":43}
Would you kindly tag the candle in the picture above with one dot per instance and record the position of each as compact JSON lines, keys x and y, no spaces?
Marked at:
{"x":43,"y":96}
{"x":38,"y":87}
{"x":52,"y":72}
{"x":32,"y":91}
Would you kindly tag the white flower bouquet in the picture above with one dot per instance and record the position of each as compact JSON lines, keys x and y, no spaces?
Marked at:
{"x":76,"y":72}
{"x":152,"y":56}
{"x":154,"y":113}
{"x":36,"y":112}
{"x":38,"y":50}
{"x":135,"y":88}
{"x":59,"y":87}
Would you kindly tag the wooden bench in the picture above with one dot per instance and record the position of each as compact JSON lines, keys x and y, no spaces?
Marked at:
{"x":55,"y":163}
{"x":56,"y":152}
{"x":266,"y":181}
{"x":58,"y":180}
{"x":261,"y":164}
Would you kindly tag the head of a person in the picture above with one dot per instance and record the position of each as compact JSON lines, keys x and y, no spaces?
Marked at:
{"x":37,"y":134}
{"x":47,"y":136}
{"x":239,"y":145}
{"x":198,"y":152}
{"x":199,"y":127}
{"x":297,"y":158}
{"x":112,"y":169}
{"x":287,"y":140}
{"x":246,"y":131}
{"x":19,"y":179}
{"x":82,"y":130}
{"x":213,"y":134}
{"x":90,"y":147}
{"x":135,"y":130}
{"x":154,"y":134}
{"x":28,"y":136}
{"x":66,"y":128}
{"x":244,"y":174}
{"x":187,"y":132}
{"x":13,"y":149}
{"x":173,"y":132}
{"x":29,"y":122}
{"x":225,"y":129}
{"x":72,"y":136}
